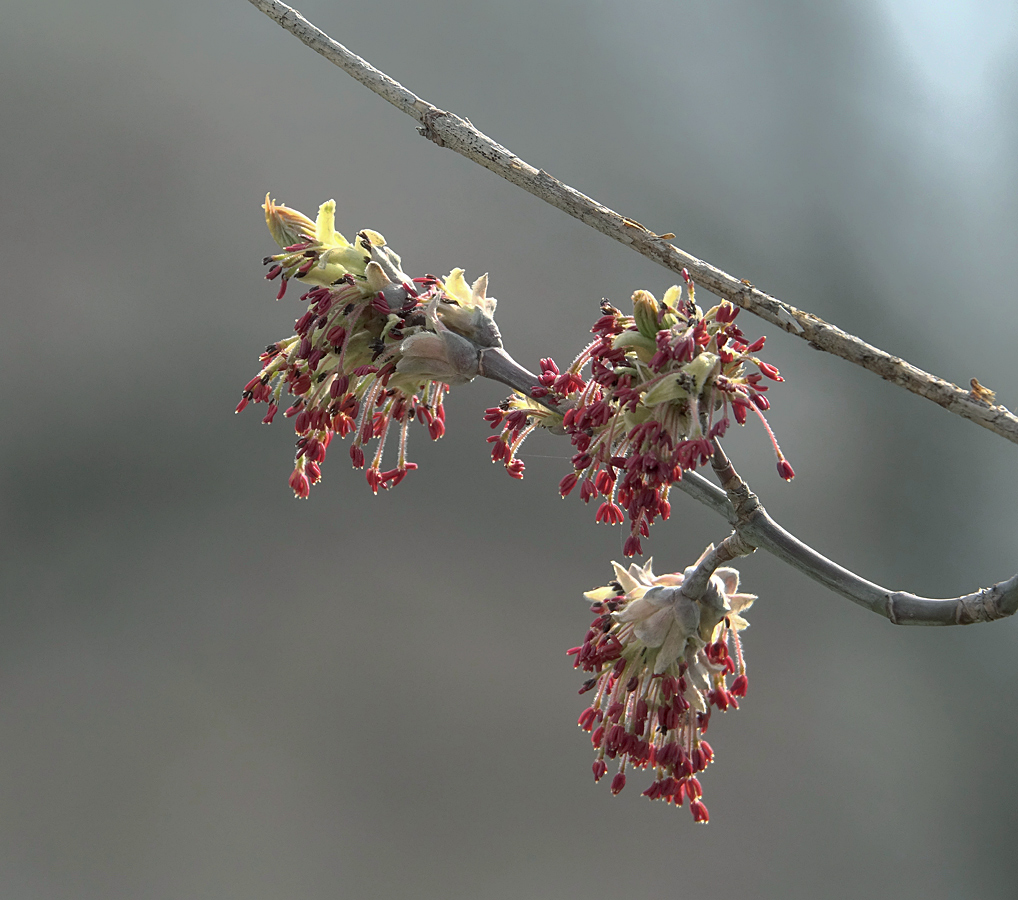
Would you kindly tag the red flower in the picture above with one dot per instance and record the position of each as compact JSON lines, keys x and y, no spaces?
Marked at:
{"x":660,"y":661}
{"x":661,"y":384}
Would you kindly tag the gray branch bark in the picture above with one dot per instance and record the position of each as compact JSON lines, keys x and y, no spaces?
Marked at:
{"x":754,"y":525}
{"x":449,"y":130}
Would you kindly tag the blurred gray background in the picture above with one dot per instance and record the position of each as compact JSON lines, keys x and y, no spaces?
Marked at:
{"x":211,"y":690}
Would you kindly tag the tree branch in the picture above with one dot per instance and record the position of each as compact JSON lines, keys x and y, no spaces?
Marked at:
{"x":755,"y":529}
{"x":732,"y":547}
{"x":755,"y":526}
{"x":449,"y":130}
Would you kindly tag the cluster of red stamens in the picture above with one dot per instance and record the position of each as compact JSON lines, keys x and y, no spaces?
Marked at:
{"x":655,"y":721}
{"x":662,"y":383}
{"x":338,"y":369}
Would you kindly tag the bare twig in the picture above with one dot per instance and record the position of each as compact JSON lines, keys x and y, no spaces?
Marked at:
{"x":449,"y":130}
{"x":496,"y":364}
{"x":732,"y":547}
{"x":753,"y":524}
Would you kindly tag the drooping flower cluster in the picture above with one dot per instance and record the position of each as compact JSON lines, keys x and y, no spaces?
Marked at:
{"x":662,"y":385}
{"x":374,"y":349}
{"x":660,"y":662}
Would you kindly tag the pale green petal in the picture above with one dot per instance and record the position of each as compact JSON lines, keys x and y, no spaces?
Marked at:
{"x":599,"y":595}
{"x":455,"y":286}
{"x":653,"y":630}
{"x":737,"y":623}
{"x":324,"y":275}
{"x":349,"y":258}
{"x":729,"y":577}
{"x":478,"y":298}
{"x":636,"y":610}
{"x":286,"y":225}
{"x":377,"y":279}
{"x":671,"y":648}
{"x":479,"y":289}
{"x":696,"y":674}
{"x":629,"y":582}
{"x":699,"y":368}
{"x":666,"y":389}
{"x":325,"y":227}
{"x":633,"y":339}
{"x":333,"y":264}
{"x":672,"y":296}
{"x":741,"y":602}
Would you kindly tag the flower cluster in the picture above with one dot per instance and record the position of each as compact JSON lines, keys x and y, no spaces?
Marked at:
{"x":374,"y":349}
{"x":660,"y":661}
{"x":661,"y":386}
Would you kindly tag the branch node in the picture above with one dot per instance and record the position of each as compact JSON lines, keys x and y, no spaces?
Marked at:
{"x":427,"y":126}
{"x":892,"y":617}
{"x":978,"y":607}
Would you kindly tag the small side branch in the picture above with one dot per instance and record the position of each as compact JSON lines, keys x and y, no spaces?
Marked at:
{"x":755,"y":529}
{"x":496,"y":364}
{"x":755,"y":526}
{"x":732,"y":547}
{"x":449,"y":130}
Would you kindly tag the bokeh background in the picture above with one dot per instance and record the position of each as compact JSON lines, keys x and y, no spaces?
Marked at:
{"x":209,"y":689}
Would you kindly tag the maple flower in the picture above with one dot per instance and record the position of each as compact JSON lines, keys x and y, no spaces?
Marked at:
{"x":373,"y":350}
{"x":662,"y":385}
{"x":660,"y":662}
